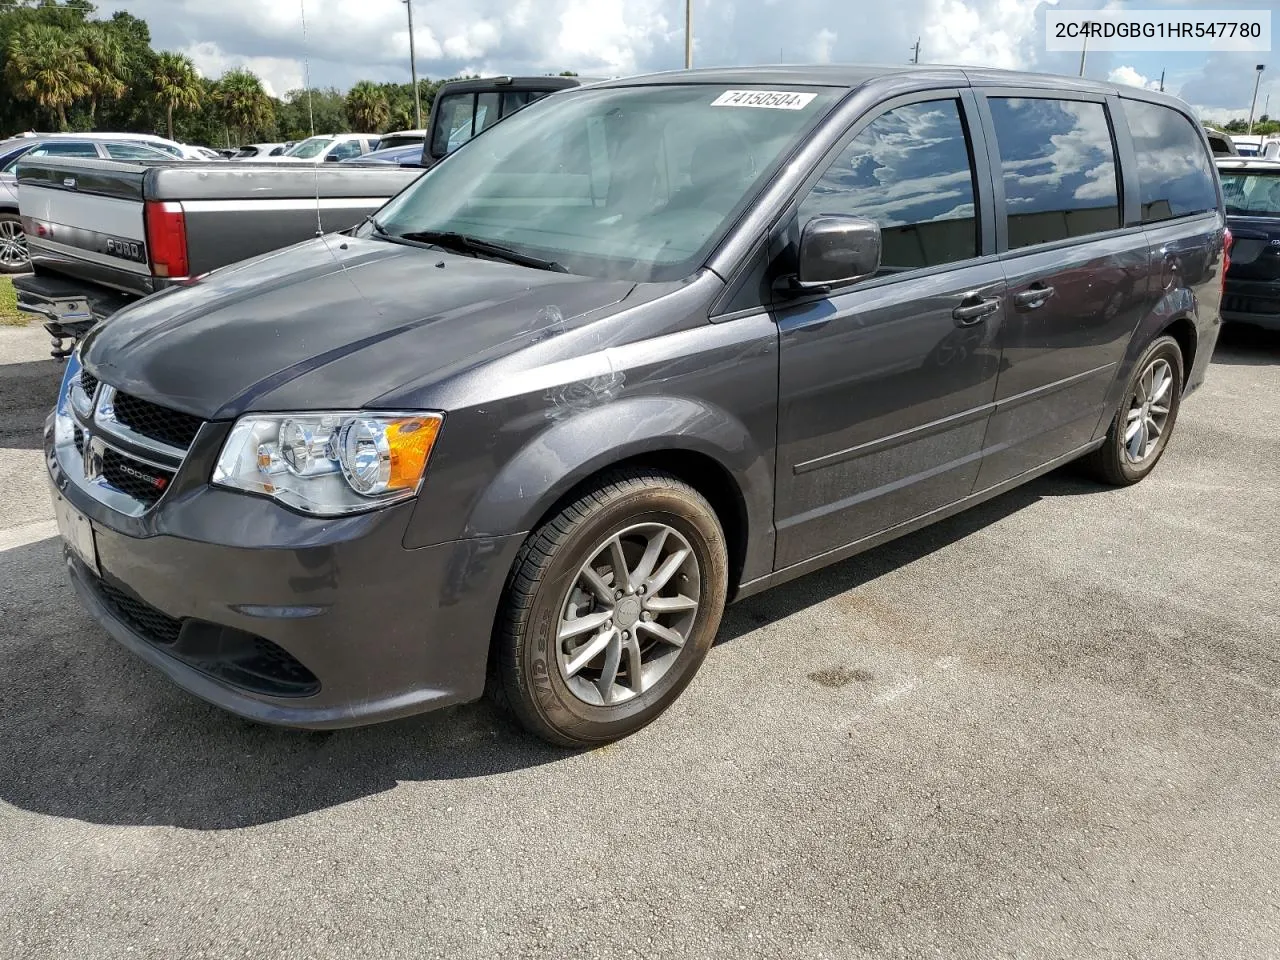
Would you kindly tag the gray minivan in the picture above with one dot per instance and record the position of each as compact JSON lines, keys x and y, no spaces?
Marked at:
{"x":646,"y":347}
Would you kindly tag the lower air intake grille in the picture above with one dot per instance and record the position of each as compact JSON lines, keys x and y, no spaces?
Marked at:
{"x":142,"y":617}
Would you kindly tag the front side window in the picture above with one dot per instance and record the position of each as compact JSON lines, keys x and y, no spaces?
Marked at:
{"x":65,"y":150}
{"x":909,"y":171}
{"x":1058,"y":166}
{"x":345,"y":150}
{"x":133,"y":151}
{"x":1251,"y":193}
{"x":1175,"y":175}
{"x":627,"y":182}
{"x":310,"y":148}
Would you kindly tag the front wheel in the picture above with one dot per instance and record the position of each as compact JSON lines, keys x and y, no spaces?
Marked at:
{"x":13,"y":245}
{"x":610,"y":608}
{"x":1142,"y":426}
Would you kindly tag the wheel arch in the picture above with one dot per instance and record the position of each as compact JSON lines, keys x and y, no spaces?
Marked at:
{"x":699,"y":444}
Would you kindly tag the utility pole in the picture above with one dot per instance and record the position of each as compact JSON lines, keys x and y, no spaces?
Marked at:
{"x":688,"y":34}
{"x":1084,"y":47}
{"x":1162,"y":81}
{"x":915,"y":56}
{"x":413,"y":70}
{"x":1257,"y":81}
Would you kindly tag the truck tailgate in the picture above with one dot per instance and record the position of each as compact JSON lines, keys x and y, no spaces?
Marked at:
{"x":84,"y":218}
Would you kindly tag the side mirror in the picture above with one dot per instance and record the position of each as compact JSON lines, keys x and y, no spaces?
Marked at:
{"x":835,"y":251}
{"x":331,"y":158}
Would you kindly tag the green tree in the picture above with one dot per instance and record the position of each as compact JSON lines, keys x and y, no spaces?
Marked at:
{"x":367,"y":107}
{"x":106,"y":66}
{"x":245,"y":106}
{"x":47,"y":66}
{"x":177,"y":86}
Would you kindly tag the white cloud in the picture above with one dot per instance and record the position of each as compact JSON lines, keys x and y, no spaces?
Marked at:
{"x":1132,"y":78}
{"x":823,"y":43}
{"x":279,"y":75}
{"x":989,"y":33}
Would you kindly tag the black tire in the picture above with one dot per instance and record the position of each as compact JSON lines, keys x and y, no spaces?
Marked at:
{"x":1110,"y":463}
{"x":527,"y":678}
{"x":7,"y":267}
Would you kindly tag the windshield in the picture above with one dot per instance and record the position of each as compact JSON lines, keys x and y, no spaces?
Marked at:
{"x":311,"y":147}
{"x":628,"y":182}
{"x":1251,"y":193}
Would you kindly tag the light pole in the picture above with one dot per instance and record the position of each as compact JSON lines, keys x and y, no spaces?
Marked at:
{"x":1084,"y":45}
{"x":688,"y":34}
{"x":413,"y":70}
{"x":1257,"y":80}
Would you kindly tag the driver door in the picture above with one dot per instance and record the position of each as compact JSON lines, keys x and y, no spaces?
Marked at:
{"x":886,"y":386}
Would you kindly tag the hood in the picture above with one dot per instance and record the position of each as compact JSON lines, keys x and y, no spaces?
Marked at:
{"x":332,"y":323}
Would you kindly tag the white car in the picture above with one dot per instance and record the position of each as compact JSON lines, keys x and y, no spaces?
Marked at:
{"x":179,"y":151}
{"x":260,"y":151}
{"x":340,"y":146}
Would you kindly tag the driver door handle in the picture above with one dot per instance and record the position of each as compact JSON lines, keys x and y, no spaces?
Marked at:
{"x":973,"y":310}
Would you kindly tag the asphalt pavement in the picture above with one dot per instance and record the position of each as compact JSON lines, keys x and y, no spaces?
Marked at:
{"x":1045,"y":728}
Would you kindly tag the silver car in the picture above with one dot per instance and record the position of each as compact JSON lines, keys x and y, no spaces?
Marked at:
{"x":13,"y":241}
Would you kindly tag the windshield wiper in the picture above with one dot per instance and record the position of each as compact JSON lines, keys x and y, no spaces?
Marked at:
{"x":451,"y":240}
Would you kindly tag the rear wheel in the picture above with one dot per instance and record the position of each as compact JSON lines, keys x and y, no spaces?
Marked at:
{"x":13,"y":245}
{"x":1142,"y":426}
{"x":610,"y":609}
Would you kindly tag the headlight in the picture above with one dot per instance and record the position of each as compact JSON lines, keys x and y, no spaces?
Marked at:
{"x":329,"y":463}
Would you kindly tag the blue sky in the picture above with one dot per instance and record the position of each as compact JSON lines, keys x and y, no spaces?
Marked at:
{"x":354,"y":39}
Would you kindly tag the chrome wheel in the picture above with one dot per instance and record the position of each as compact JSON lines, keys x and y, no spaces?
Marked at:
{"x":13,"y":244}
{"x":1148,"y":413}
{"x":628,"y":614}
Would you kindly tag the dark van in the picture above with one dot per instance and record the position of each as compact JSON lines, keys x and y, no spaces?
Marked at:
{"x":1251,"y":189}
{"x":644,"y":348}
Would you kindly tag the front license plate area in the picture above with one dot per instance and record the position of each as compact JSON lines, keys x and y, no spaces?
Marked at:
{"x":77,"y":533}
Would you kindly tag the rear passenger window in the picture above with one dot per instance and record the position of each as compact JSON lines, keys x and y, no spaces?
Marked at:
{"x":909,"y":171}
{"x":1174,"y":174}
{"x":1058,"y":166}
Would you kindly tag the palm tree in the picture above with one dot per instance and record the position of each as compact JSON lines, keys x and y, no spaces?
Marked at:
{"x":177,"y":85}
{"x":367,"y":107}
{"x":245,"y":105}
{"x":47,"y":66}
{"x":107,"y":67}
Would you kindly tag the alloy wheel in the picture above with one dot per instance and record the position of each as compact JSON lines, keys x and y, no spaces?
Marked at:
{"x":1148,"y":412}
{"x":628,"y":614}
{"x":13,"y":244}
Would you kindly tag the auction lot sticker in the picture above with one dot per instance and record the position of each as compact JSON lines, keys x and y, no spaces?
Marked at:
{"x":768,"y":99}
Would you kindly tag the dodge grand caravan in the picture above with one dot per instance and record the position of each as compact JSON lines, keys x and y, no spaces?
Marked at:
{"x":645,"y":347}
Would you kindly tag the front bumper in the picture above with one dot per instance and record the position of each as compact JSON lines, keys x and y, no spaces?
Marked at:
{"x":287,"y":619}
{"x":1255,"y":302}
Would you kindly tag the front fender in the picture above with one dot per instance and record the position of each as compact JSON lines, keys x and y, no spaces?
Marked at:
{"x":587,"y":441}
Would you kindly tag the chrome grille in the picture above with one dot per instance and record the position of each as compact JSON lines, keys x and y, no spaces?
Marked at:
{"x":173,"y":427}
{"x":123,"y":450}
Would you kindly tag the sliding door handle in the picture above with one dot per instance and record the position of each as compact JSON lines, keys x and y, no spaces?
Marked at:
{"x":1033,"y":297}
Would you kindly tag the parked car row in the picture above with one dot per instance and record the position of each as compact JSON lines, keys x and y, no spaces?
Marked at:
{"x":646,"y":347}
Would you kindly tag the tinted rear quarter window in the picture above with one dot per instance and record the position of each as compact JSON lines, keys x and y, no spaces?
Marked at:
{"x":908,"y":170}
{"x":1058,"y":165}
{"x":1175,"y":174}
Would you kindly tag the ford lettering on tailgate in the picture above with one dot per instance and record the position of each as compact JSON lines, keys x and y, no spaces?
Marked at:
{"x":134,"y":250}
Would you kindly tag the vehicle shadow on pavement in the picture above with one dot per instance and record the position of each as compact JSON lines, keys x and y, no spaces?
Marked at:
{"x":28,"y":391}
{"x":1240,"y":344}
{"x":89,"y":732}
